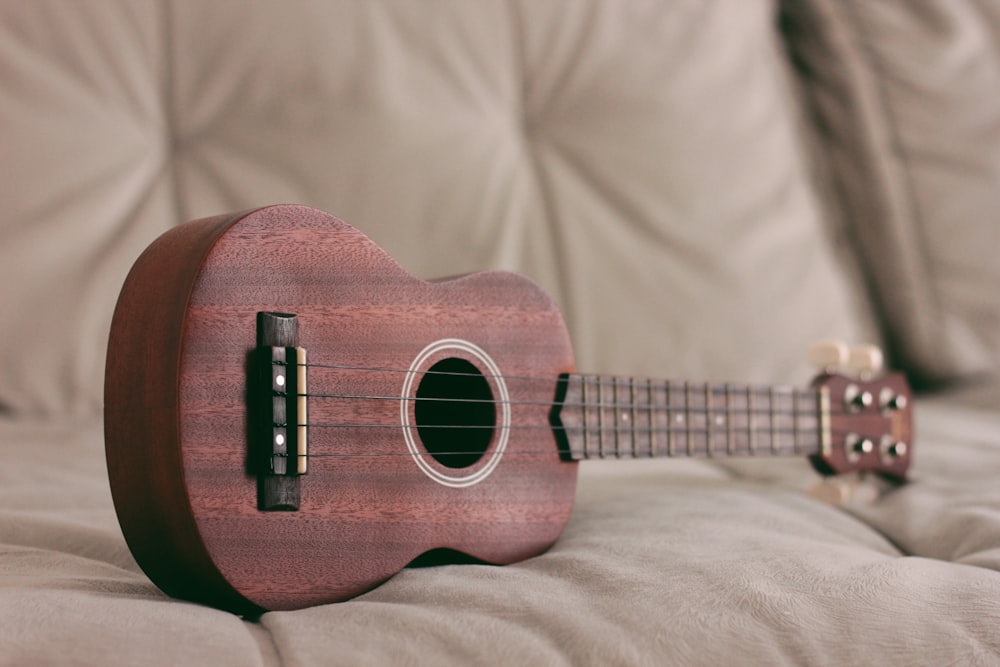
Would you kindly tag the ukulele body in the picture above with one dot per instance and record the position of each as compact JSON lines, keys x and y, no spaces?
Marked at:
{"x":177,"y":387}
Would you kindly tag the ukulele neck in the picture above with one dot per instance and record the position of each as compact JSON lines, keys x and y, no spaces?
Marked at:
{"x":625,"y":417}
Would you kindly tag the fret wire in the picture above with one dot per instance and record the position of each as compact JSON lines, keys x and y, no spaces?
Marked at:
{"x":709,"y":426}
{"x":730,"y":437}
{"x":687,"y":417}
{"x":795,"y":420}
{"x":751,"y":426}
{"x":617,"y":418}
{"x":586,"y":425}
{"x":600,"y":420}
{"x":670,"y":434}
{"x":650,"y":415}
{"x":633,"y":415}
{"x":625,"y":415}
{"x":771,"y":417}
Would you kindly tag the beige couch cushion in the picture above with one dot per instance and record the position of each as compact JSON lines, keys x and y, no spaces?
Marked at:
{"x":905,"y":97}
{"x":641,"y":160}
{"x":666,"y":562}
{"x":85,"y":183}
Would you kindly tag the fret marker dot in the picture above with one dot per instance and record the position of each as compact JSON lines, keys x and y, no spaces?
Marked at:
{"x":280,"y":380}
{"x":279,"y":439}
{"x":680,"y":419}
{"x":719,"y":421}
{"x":624,"y":418}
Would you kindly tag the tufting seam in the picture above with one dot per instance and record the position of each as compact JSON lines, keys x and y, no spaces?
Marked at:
{"x":170,"y":111}
{"x":904,"y":175}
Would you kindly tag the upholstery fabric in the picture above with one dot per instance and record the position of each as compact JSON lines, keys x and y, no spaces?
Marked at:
{"x":650,"y":163}
{"x":907,"y":115}
{"x":640,"y":160}
{"x":663,"y":562}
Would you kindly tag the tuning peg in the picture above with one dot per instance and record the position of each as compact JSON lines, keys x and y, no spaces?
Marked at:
{"x":828,"y":356}
{"x":890,"y":400}
{"x":865,"y":360}
{"x":848,"y":489}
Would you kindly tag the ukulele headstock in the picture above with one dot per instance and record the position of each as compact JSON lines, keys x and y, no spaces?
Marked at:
{"x":865,"y":413}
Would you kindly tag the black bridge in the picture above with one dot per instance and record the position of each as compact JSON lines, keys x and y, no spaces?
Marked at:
{"x":278,"y":393}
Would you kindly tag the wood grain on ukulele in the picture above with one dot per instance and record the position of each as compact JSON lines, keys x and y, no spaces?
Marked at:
{"x":291,"y":418}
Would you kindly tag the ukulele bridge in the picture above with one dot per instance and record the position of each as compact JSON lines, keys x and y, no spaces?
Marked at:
{"x":278,"y":395}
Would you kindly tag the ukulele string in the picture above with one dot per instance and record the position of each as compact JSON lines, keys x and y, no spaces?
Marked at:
{"x":734,"y":392}
{"x":408,"y":371}
{"x":741,"y":413}
{"x":643,"y":447}
{"x":612,"y":429}
{"x":624,"y":452}
{"x":659,"y":451}
{"x":638,"y":384}
{"x":638,"y":408}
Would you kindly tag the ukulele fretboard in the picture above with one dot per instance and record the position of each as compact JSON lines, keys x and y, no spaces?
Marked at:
{"x":623,"y":417}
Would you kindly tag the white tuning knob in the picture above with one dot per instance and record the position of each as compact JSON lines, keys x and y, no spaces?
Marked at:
{"x":865,"y":360}
{"x":827,"y":355}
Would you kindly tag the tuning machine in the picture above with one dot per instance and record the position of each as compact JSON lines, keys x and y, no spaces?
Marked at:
{"x":856,"y":446}
{"x":857,"y":398}
{"x":866,"y":417}
{"x":828,"y":356}
{"x":834,"y":356}
{"x":855,"y":488}
{"x":890,"y":449}
{"x":891,"y":401}
{"x":865,"y":361}
{"x":861,"y":362}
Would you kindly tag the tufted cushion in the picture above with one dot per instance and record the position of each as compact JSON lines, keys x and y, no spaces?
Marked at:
{"x":905,"y":98}
{"x":640,"y":159}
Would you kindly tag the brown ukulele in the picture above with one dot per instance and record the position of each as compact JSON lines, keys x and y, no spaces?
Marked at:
{"x":291,"y":418}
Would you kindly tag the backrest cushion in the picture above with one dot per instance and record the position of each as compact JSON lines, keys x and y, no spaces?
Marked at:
{"x":905,"y":100}
{"x":641,"y":160}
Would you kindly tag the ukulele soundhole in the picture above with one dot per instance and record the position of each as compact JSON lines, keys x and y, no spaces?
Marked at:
{"x":455,"y":413}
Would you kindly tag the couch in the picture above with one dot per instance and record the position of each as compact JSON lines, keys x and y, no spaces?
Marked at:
{"x":703,"y":187}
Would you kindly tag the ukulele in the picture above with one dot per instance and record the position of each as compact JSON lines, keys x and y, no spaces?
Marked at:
{"x":291,"y":418}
